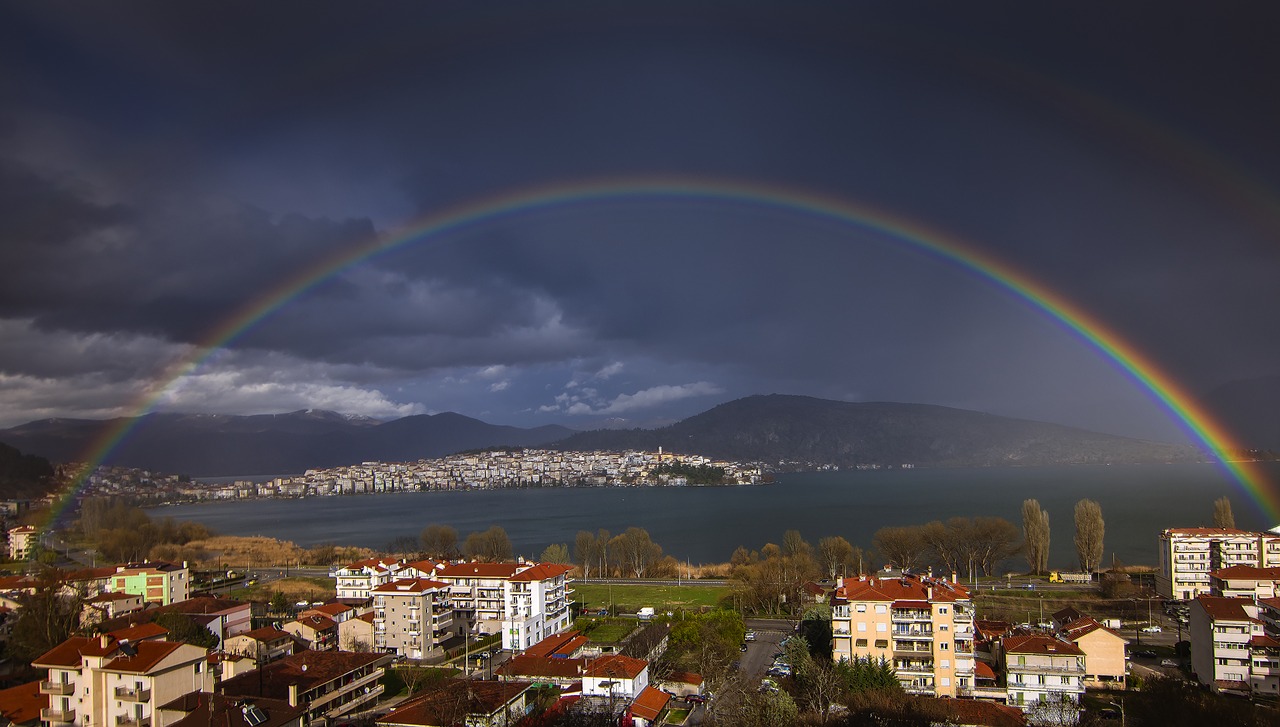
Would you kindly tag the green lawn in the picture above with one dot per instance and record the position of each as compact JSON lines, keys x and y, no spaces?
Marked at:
{"x":677,"y":716}
{"x":605,"y":630}
{"x":661,"y":598}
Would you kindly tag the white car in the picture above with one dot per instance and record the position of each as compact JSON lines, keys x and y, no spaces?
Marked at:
{"x":1152,"y":629}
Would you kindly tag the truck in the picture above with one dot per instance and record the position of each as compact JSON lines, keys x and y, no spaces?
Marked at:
{"x":645,"y":613}
{"x":1068,"y":577}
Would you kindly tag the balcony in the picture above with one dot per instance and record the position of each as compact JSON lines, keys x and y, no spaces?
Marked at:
{"x":902,"y":614}
{"x":58,"y":715}
{"x":1044,"y":669}
{"x":125,"y":720}
{"x":133,"y":695}
{"x":60,"y":689}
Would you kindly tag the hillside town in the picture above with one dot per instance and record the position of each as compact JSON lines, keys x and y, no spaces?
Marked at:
{"x":489,"y":469}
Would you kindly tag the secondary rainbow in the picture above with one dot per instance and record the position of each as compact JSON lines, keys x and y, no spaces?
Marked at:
{"x":1140,"y":368}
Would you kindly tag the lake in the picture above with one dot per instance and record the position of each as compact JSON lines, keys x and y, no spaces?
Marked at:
{"x":705,"y":524}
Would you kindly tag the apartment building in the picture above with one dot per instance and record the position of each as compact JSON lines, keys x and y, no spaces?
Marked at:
{"x":1244,"y":581}
{"x":102,"y":682}
{"x":158,"y":582}
{"x":314,"y":631}
{"x":261,"y":645}
{"x":921,"y":625}
{"x":326,"y":684}
{"x":21,"y":540}
{"x":1041,"y":669}
{"x":413,"y":617}
{"x":356,"y":581}
{"x":1187,"y":557}
{"x":537,"y":605}
{"x":1225,"y":633}
{"x":524,"y":601}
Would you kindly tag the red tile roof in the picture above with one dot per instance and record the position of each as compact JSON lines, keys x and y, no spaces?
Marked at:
{"x":616,"y":666}
{"x":331,"y":609}
{"x":141,"y":632}
{"x":308,"y":670}
{"x":1220,"y":608}
{"x":684,"y":677}
{"x":564,"y":643}
{"x":440,"y":706}
{"x":22,"y":704}
{"x":148,"y":655}
{"x":542,"y":572}
{"x":266,"y":634}
{"x":478,"y":570}
{"x":1247,"y":572}
{"x":650,"y":703}
{"x":409,"y":585}
{"x":906,"y":588}
{"x":527,"y":666}
{"x":316,"y":622}
{"x":983,"y":670}
{"x":228,"y":712}
{"x":1036,"y":644}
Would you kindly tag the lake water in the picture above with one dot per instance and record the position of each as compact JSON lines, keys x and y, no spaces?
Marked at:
{"x":705,"y":524}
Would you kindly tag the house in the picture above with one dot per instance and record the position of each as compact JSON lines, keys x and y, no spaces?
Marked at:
{"x":337,"y":612}
{"x":314,"y":631}
{"x":542,"y":670}
{"x":356,"y":634}
{"x":1105,"y":665}
{"x":327,"y":684}
{"x":262,"y":645}
{"x":649,"y":707}
{"x":463,"y":702}
{"x":194,"y":710}
{"x":103,"y":681}
{"x":106,"y":606}
{"x":1041,"y":669}
{"x":920,"y":624}
{"x":616,"y":677}
{"x":567,"y":645}
{"x":682,"y":683}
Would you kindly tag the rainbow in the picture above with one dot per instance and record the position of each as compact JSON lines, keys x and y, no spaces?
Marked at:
{"x":1142,"y":370}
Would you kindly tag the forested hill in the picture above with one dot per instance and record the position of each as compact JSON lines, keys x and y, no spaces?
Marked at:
{"x":23,"y":476}
{"x":808,"y":431}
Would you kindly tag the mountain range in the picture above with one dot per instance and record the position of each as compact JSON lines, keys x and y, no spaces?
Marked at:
{"x":788,"y":432}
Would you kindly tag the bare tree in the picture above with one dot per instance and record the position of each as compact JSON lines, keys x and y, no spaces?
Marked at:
{"x":439,"y":541}
{"x":902,"y":546}
{"x":555,"y":553}
{"x":584,"y":551}
{"x":1035,"y":530}
{"x":793,"y":543}
{"x":1222,"y":515}
{"x":835,"y":555}
{"x":492,"y":545}
{"x":992,"y":540}
{"x":636,"y":551}
{"x":1089,"y":532}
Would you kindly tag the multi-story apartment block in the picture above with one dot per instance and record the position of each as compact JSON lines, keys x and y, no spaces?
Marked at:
{"x":326,"y":684}
{"x":21,"y":540}
{"x":524,"y":601}
{"x":1041,"y":669}
{"x":1244,"y":581}
{"x":159,"y":582}
{"x":537,"y":605}
{"x":314,"y":631}
{"x":101,"y":682}
{"x":1231,"y":649}
{"x":262,"y":645}
{"x":1188,"y":555}
{"x":355,"y":582}
{"x":921,"y":625}
{"x":412,"y":617}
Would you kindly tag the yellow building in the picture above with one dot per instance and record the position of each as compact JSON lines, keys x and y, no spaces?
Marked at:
{"x":1104,"y":661}
{"x":921,"y":625}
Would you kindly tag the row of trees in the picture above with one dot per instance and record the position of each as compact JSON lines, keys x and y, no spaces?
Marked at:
{"x":960,"y":545}
{"x":630,"y":554}
{"x":122,"y":533}
{"x":1090,"y":529}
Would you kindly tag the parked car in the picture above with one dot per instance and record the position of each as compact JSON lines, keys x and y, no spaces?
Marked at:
{"x":696,"y":699}
{"x":742,"y":648}
{"x":1152,"y":629}
{"x":1169,"y":662}
{"x":751,"y":636}
{"x":1145,"y":653}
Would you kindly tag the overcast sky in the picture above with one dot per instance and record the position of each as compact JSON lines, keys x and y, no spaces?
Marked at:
{"x":164,"y":164}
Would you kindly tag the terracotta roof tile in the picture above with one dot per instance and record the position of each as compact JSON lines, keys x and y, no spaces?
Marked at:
{"x":650,"y":703}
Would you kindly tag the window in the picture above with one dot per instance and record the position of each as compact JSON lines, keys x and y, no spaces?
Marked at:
{"x":882,"y":643}
{"x":944,"y":681}
{"x":862,"y":643}
{"x":882,"y":627}
{"x":945,"y":664}
{"x":881,"y":608}
{"x":944,"y":646}
{"x":942,"y":609}
{"x":860,"y":608}
{"x":862,"y":625}
{"x":943,"y":627}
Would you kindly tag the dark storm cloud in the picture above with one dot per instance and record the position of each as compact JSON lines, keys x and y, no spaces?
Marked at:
{"x":164,"y":165}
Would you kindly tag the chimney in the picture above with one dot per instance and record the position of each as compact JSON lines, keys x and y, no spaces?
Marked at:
{"x":293,"y":695}
{"x":929,"y":590}
{"x":840,"y":582}
{"x":104,"y":640}
{"x":954,"y":577}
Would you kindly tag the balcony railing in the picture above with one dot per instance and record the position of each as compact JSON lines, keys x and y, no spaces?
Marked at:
{"x":58,"y":715}
{"x":61,"y":689}
{"x":133,"y":695}
{"x":125,"y":720}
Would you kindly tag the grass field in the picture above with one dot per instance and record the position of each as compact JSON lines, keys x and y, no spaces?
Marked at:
{"x":606,"y":630}
{"x":661,"y":598}
{"x":294,"y":589}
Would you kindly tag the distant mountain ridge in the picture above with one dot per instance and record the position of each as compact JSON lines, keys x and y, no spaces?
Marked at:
{"x":795,"y":430}
{"x":214,"y":445}
{"x":800,"y":429}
